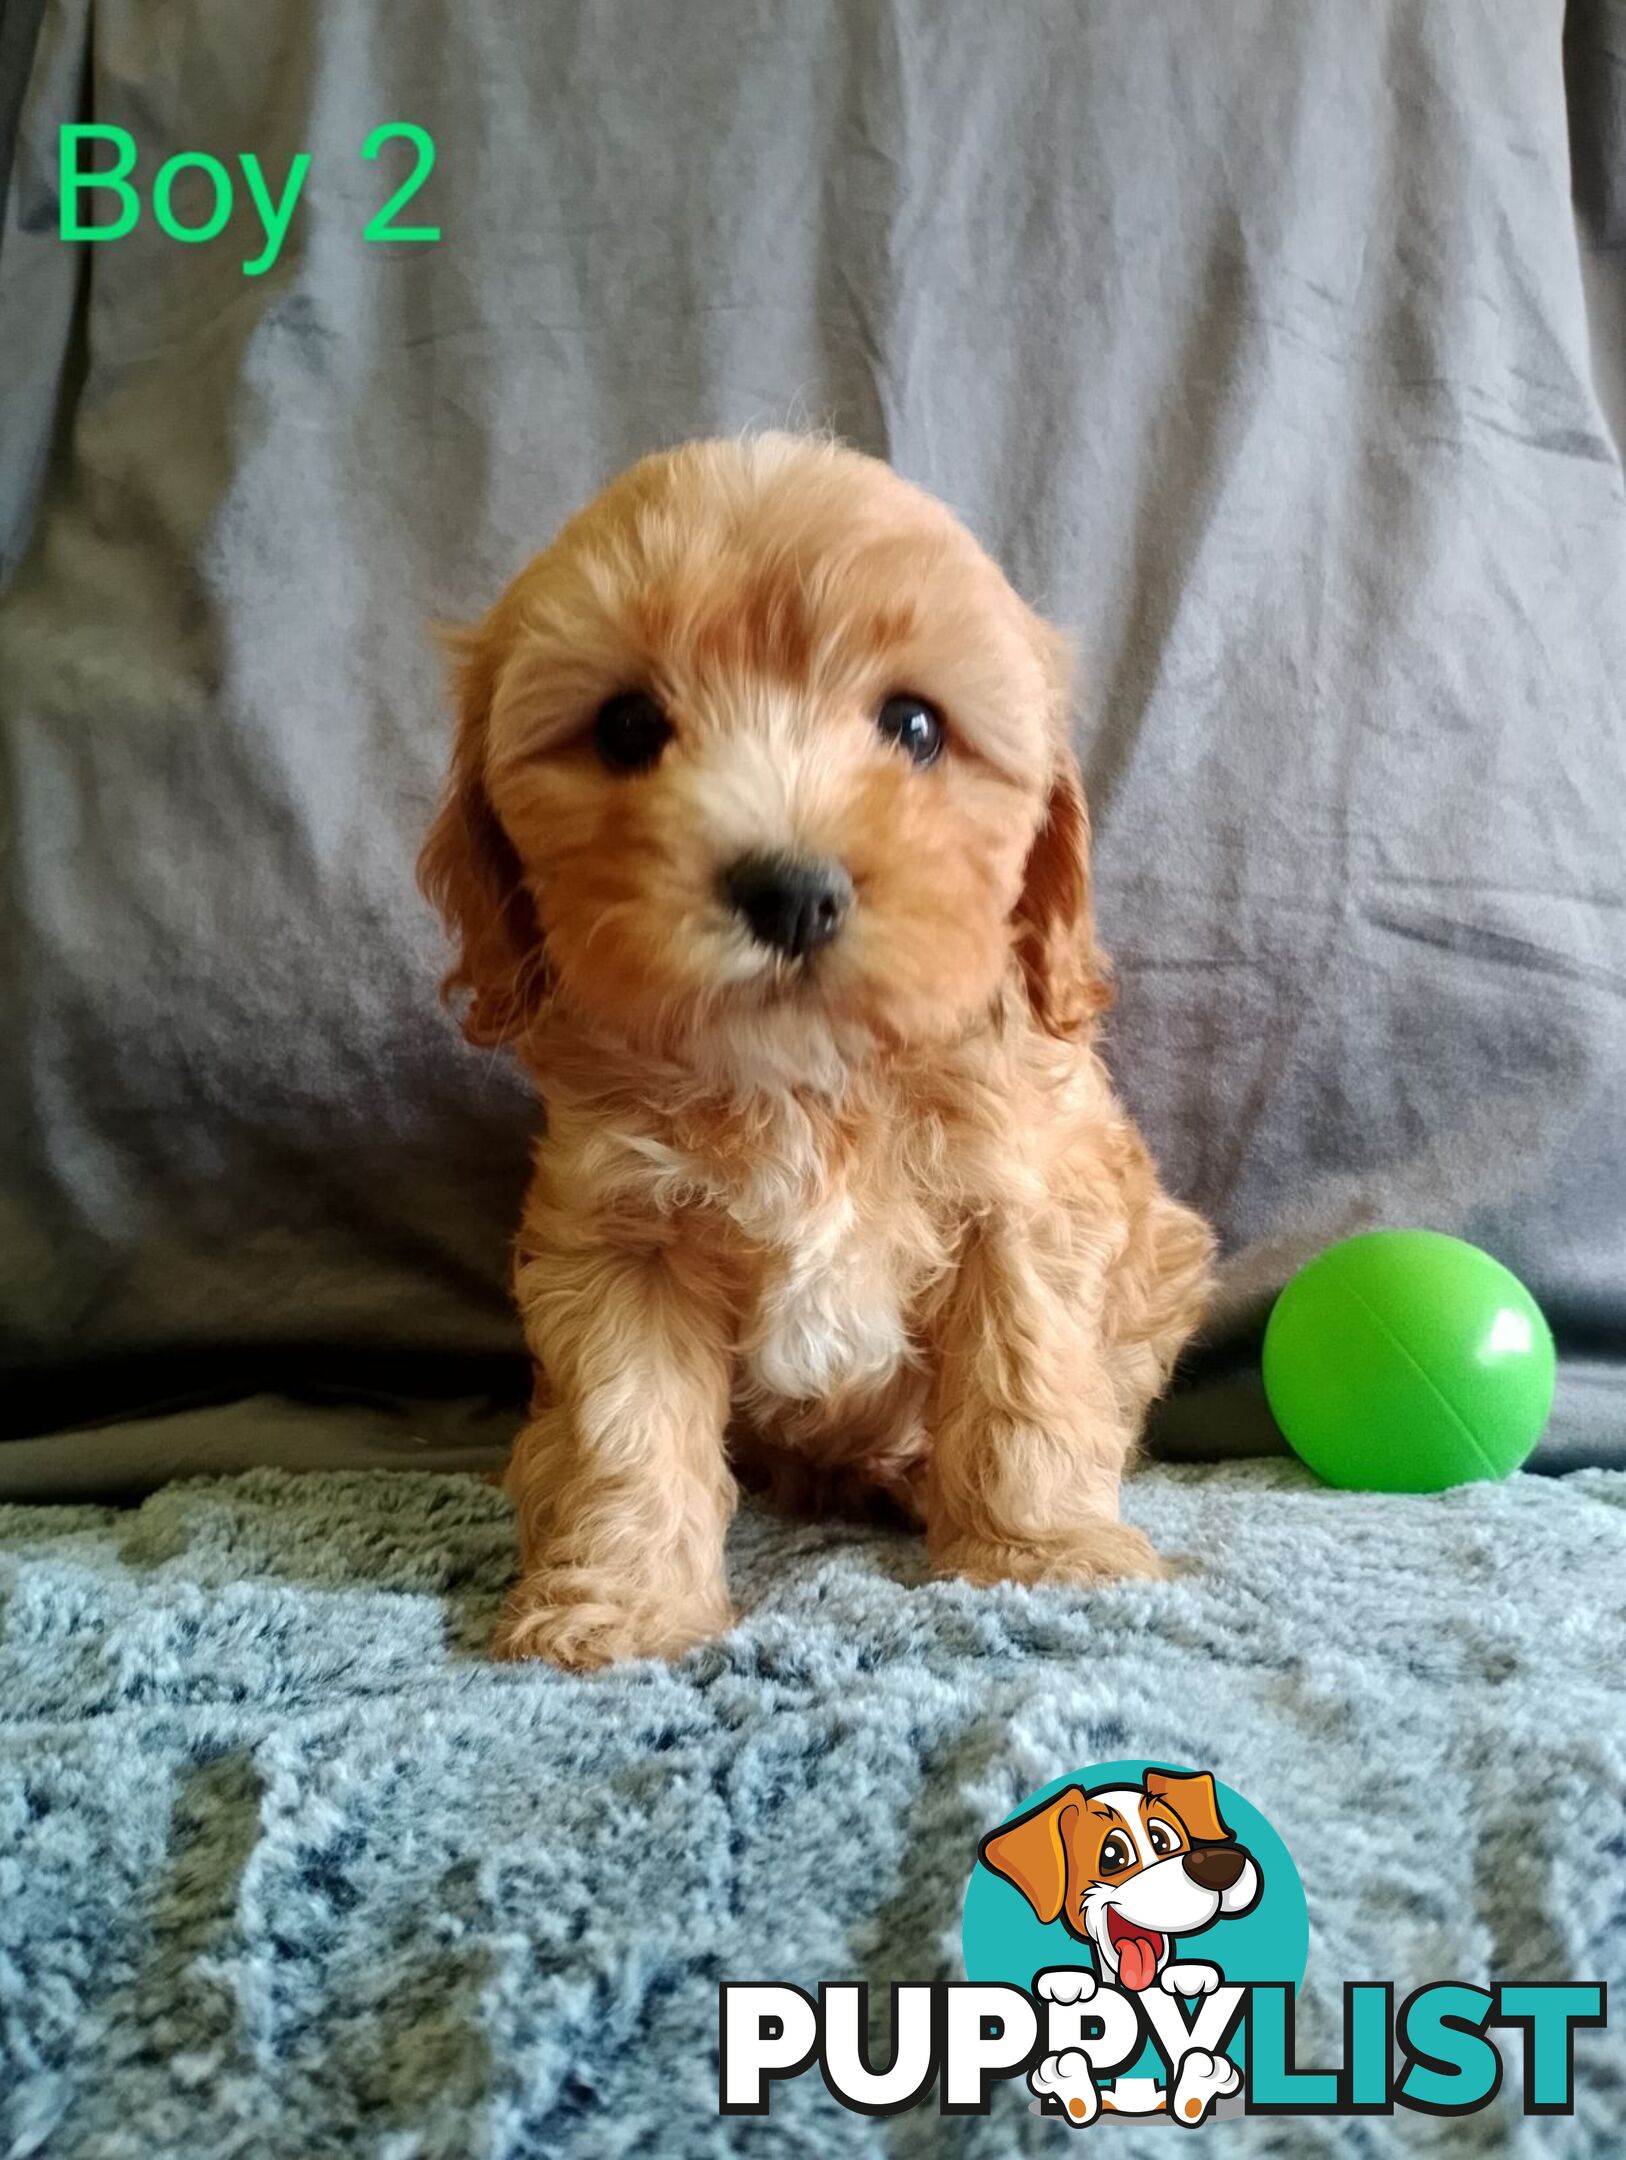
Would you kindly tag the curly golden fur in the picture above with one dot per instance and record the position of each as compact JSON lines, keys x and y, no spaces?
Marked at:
{"x":869,"y":1218}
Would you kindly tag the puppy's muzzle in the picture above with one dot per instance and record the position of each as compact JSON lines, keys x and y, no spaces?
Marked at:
{"x":792,"y":904}
{"x":1214,"y":1867}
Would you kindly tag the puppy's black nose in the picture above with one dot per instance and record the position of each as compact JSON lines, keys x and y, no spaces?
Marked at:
{"x":1215,"y":1867}
{"x":791,"y":903}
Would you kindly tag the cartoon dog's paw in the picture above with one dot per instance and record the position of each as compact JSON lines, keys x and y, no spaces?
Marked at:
{"x":1065,"y":1984}
{"x":1066,"y":2079}
{"x":1189,"y":1979}
{"x":1203,"y":2079}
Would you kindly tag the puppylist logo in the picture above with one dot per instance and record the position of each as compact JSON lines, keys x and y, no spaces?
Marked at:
{"x":1140,"y":1872}
{"x":1134,"y":1939}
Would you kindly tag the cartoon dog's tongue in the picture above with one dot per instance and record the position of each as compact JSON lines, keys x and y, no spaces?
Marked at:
{"x":1138,"y":1951}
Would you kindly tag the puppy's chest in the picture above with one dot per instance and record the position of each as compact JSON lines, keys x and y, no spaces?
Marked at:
{"x":829,"y":1307}
{"x":836,"y":1250}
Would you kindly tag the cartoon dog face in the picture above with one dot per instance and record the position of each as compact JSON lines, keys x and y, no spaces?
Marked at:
{"x":1128,"y":1868}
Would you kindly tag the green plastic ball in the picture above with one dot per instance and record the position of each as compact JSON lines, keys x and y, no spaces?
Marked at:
{"x":1406,"y":1361}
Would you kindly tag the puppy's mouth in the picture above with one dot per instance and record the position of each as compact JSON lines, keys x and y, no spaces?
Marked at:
{"x":784,"y":982}
{"x":1139,"y":1950}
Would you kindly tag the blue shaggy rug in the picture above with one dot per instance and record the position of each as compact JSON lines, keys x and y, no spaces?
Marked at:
{"x":287,"y":1868}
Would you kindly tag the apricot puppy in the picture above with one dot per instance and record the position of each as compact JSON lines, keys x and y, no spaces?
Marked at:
{"x":765,"y":848}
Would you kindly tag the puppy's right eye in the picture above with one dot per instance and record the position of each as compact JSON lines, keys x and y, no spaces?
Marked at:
{"x":630,"y":732}
{"x":1116,"y":1853}
{"x":915,"y":726}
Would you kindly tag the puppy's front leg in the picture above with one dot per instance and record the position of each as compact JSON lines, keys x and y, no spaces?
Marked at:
{"x":620,"y":1479}
{"x":1029,"y":1437}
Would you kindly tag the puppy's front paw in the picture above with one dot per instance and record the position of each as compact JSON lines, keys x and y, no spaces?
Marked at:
{"x":1086,"y":1554}
{"x":581,"y":1631}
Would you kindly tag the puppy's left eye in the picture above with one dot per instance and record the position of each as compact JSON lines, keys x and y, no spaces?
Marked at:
{"x":1161,"y":1837}
{"x":630,"y":732}
{"x":914,"y":726}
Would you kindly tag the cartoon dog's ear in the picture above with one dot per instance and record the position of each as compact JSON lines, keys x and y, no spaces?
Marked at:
{"x":470,"y":870}
{"x":1032,"y":1852}
{"x":1194,"y":1800}
{"x":1066,"y":974}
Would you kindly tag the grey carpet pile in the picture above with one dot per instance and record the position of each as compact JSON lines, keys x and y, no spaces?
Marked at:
{"x":286,"y":1867}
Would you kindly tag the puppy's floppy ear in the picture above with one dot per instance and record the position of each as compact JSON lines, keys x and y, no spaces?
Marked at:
{"x":469,"y":869}
{"x":1032,"y":1852}
{"x":1194,"y":1799}
{"x":1067,"y":977}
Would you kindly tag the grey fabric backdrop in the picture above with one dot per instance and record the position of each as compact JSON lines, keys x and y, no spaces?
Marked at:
{"x":1251,"y":338}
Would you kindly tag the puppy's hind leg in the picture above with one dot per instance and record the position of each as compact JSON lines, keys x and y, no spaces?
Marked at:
{"x":1029,"y":1432}
{"x":1156,"y":1297}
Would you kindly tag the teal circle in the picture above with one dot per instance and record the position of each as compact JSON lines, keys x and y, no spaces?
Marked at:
{"x":1003,"y":1939}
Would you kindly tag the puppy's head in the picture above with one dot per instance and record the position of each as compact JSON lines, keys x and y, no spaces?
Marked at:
{"x":765,"y":749}
{"x":1127,"y":1869}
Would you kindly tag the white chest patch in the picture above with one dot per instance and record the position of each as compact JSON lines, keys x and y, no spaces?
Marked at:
{"x":827,"y":1318}
{"x":829,"y":1314}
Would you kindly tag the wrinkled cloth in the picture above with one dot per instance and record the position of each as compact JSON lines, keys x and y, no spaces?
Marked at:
{"x":1250,"y":339}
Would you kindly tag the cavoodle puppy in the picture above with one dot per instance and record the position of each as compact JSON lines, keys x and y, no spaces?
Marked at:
{"x":765,"y":849}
